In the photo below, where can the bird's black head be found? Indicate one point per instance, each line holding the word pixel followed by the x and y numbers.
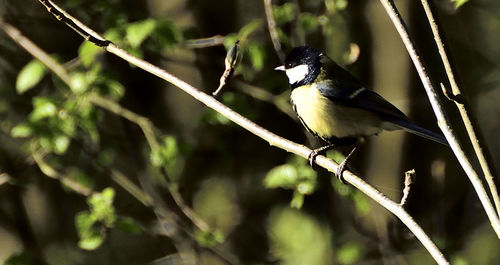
pixel 302 66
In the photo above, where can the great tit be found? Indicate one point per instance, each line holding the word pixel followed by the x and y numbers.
pixel 334 106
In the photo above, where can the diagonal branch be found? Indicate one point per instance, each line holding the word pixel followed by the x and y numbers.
pixel 442 121
pixel 271 138
pixel 462 105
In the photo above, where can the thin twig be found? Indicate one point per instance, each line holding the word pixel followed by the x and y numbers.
pixel 409 180
pixel 277 141
pixel 216 40
pixel 131 188
pixel 145 124
pixel 273 32
pixel 442 121
pixel 462 105
pixel 49 171
pixel 38 53
pixel 261 94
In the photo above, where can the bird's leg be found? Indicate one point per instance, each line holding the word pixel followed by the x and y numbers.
pixel 312 156
pixel 341 167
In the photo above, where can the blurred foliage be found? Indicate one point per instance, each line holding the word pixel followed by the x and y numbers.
pixel 296 238
pixel 296 175
pixel 194 188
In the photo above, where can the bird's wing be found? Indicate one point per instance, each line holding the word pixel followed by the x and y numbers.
pixel 343 88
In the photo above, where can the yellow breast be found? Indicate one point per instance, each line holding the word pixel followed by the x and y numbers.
pixel 328 119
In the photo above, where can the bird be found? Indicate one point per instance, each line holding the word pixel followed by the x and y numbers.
pixel 336 107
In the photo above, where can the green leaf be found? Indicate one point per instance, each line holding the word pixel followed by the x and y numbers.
pixel 284 176
pixel 248 29
pixel 257 56
pixel 113 35
pixel 166 33
pixel 30 75
pixel 115 89
pixel 88 53
pixel 309 22
pixel 297 201
pixel 91 241
pixel 349 253
pixel 284 13
pixel 211 116
pixel 61 143
pixel 138 31
pixel 459 3
pixel 43 107
pixel 128 224
pixel 306 187
pixel 230 40
pixel 79 83
pixel 84 222
pixel 90 237
pixel 21 130
pixel 102 206
pixel 209 239
pixel 78 176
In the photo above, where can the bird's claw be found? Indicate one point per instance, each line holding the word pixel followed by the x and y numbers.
pixel 312 157
pixel 340 171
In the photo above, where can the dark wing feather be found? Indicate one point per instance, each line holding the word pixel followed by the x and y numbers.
pixel 345 89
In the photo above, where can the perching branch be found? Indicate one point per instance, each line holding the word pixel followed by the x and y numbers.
pixel 271 138
pixel 442 121
pixel 462 104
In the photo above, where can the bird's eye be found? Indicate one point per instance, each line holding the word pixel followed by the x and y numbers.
pixel 289 65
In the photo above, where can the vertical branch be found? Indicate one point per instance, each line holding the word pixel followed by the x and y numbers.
pixel 442 121
pixel 462 104
pixel 273 32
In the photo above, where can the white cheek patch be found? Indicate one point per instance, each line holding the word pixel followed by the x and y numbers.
pixel 297 73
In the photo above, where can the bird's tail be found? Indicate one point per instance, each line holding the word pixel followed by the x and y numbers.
pixel 422 132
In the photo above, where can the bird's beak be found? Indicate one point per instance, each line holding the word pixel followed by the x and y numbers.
pixel 280 68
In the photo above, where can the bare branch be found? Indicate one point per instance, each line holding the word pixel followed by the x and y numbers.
pixel 442 121
pixel 216 40
pixel 273 32
pixel 131 188
pixel 409 180
pixel 282 143
pixel 261 94
pixel 462 105
pixel 49 171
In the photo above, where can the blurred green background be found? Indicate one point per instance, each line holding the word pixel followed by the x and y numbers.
pixel 80 184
